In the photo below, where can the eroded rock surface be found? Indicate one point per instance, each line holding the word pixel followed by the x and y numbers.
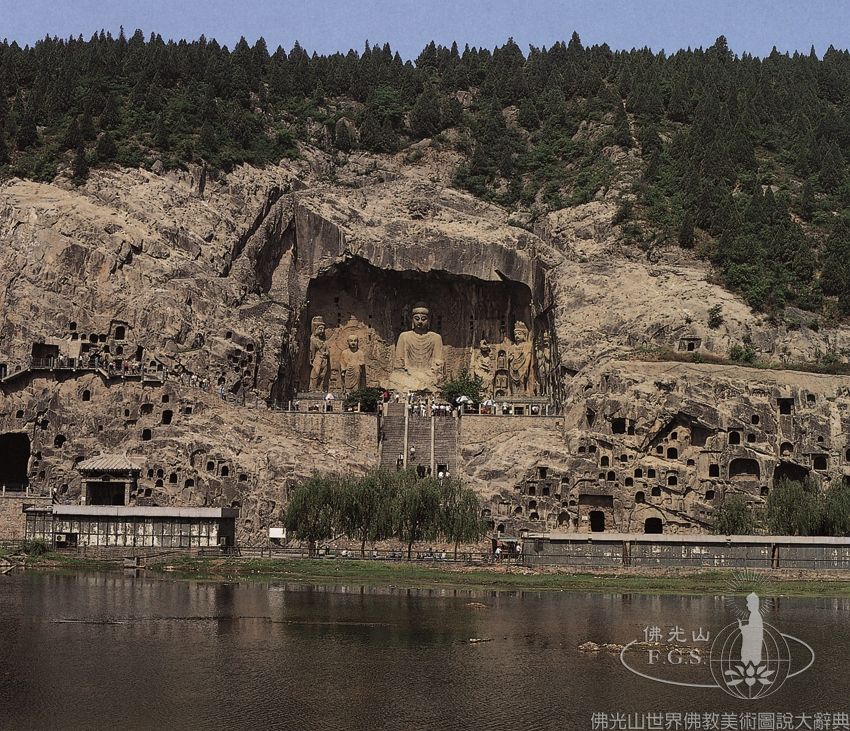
pixel 211 290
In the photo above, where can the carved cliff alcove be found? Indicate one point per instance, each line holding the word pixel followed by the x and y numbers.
pixel 356 298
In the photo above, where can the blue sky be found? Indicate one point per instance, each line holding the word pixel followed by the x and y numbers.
pixel 754 26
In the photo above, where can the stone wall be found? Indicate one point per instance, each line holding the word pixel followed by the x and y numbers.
pixel 480 427
pixel 764 552
pixel 356 431
pixel 12 505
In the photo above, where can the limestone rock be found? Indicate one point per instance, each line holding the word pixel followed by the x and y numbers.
pixel 214 279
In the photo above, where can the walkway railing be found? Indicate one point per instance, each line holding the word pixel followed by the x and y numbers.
pixel 136 370
pixel 463 557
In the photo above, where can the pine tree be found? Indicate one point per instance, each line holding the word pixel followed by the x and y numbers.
pixel 87 130
pixel 4 149
pixel 807 201
pixel 342 136
pixel 451 112
pixel 835 272
pixel 527 115
pixel 425 115
pixel 81 165
pixel 686 232
pixel 389 138
pixel 4 110
pixel 106 150
pixel 154 98
pixel 208 139
pixel 26 134
pixel 110 116
pixel 160 133
pixel 72 136
pixel 622 134
pixel 831 173
pixel 428 58
pixel 370 132
pixel 677 108
pixel 650 140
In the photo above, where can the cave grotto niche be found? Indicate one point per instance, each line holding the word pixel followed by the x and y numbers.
pixel 744 468
pixel 597 521
pixel 789 471
pixel 356 298
pixel 653 526
pixel 15 451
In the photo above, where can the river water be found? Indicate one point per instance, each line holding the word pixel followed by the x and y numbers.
pixel 91 651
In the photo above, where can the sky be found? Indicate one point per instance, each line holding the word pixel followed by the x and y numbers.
pixel 326 26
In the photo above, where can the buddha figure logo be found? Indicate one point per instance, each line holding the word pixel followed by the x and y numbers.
pixel 751 659
pixel 748 659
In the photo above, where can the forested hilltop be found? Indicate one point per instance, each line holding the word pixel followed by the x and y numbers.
pixel 740 158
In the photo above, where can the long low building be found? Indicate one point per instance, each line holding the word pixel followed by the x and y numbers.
pixel 67 526
pixel 698 551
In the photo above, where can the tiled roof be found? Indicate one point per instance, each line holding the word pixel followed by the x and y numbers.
pixel 107 463
pixel 127 511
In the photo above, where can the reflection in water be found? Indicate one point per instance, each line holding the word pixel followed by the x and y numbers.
pixel 105 650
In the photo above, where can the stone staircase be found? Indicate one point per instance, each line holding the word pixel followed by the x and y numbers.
pixel 419 436
pixel 392 438
pixel 446 432
pixel 419 428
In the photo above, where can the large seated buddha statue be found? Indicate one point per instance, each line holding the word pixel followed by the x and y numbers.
pixel 418 355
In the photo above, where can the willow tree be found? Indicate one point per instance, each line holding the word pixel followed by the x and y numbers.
pixel 460 514
pixel 416 510
pixel 794 508
pixel 313 512
pixel 734 517
pixel 836 509
pixel 366 506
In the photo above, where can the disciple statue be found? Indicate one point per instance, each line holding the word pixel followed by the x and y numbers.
pixel 418 355
pixel 352 366
pixel 482 365
pixel 319 354
pixel 519 360
pixel 544 364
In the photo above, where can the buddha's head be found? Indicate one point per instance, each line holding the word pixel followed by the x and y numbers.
pixel 520 332
pixel 421 318
pixel 353 343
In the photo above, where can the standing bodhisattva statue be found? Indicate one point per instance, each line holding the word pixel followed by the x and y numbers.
pixel 519 360
pixel 418 354
pixel 319 354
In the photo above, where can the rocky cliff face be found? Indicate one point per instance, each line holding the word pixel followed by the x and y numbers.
pixel 214 282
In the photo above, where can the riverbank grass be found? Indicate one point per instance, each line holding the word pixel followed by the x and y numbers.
pixel 411 575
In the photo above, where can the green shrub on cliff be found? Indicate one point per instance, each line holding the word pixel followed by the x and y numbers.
pixel 466 384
